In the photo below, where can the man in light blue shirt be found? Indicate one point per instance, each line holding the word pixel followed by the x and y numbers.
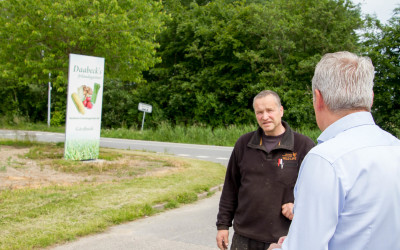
pixel 347 194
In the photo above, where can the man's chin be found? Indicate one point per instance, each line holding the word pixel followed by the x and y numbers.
pixel 267 129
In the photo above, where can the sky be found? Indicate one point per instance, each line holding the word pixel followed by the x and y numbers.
pixel 382 8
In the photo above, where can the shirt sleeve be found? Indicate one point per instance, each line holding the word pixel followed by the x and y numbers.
pixel 318 200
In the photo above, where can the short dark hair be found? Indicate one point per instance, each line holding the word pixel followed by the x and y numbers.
pixel 265 93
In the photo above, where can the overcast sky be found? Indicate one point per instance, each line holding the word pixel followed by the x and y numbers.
pixel 382 8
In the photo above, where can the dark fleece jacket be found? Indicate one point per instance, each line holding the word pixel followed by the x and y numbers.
pixel 258 183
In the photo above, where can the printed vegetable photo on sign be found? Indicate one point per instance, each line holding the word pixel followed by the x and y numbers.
pixel 85 97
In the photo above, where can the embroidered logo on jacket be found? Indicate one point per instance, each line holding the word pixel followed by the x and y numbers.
pixel 289 156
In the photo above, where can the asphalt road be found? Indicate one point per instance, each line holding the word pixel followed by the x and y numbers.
pixel 188 227
pixel 205 152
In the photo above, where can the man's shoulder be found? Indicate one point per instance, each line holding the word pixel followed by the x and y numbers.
pixel 246 139
pixel 356 139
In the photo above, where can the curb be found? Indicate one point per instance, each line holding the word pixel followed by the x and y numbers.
pixel 160 207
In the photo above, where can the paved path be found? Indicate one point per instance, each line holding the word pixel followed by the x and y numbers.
pixel 190 227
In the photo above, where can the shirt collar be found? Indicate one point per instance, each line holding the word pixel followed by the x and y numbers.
pixel 287 141
pixel 345 123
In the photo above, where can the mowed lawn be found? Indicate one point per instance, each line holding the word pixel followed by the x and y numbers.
pixel 122 186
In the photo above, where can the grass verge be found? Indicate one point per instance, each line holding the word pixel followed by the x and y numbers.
pixel 221 136
pixel 205 135
pixel 41 217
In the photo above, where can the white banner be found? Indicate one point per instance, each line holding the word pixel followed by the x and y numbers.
pixel 84 102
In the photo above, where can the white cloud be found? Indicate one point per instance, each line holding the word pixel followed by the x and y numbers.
pixel 382 8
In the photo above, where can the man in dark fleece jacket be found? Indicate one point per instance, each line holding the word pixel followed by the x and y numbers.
pixel 262 171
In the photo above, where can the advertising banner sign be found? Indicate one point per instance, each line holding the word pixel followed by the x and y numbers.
pixel 84 103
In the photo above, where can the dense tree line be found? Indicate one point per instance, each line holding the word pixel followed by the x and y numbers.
pixel 36 38
pixel 197 62
pixel 382 44
pixel 216 57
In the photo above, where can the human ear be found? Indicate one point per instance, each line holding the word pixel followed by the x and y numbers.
pixel 318 100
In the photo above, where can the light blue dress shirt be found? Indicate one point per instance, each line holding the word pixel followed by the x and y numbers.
pixel 347 194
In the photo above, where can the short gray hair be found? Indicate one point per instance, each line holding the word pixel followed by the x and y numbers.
pixel 265 93
pixel 345 81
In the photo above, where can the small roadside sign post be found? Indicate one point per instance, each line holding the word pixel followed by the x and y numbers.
pixel 146 108
pixel 49 102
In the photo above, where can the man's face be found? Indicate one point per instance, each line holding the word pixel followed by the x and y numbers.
pixel 269 115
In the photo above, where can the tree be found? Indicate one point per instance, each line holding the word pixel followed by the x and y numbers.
pixel 382 43
pixel 36 38
pixel 217 56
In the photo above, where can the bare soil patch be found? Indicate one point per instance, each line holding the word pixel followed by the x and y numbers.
pixel 18 170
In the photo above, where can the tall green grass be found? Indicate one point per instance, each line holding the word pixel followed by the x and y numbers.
pixel 196 134
pixel 181 134
pixel 221 136
pixel 21 124
pixel 313 133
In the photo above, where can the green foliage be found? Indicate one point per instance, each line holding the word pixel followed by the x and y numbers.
pixel 44 151
pixel 206 135
pixel 22 102
pixel 217 57
pixel 186 197
pixel 19 143
pixel 383 47
pixel 119 105
pixel 212 57
pixel 17 124
pixel 36 38
pixel 58 118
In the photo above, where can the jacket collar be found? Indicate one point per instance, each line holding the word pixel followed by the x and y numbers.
pixel 287 141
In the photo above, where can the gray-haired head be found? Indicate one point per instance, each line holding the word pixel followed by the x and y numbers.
pixel 265 93
pixel 345 81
